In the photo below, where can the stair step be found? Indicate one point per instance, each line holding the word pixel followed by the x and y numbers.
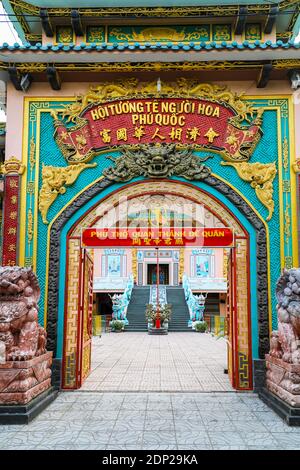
pixel 139 299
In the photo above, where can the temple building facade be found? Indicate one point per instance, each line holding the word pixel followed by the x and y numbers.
pixel 152 145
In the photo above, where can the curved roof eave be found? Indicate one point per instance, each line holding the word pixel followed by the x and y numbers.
pixel 148 53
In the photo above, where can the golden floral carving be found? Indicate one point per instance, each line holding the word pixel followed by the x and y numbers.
pixel 261 177
pixel 30 225
pixel 285 151
pixel 32 153
pixel 54 181
pixel 287 223
pixel 134 263
pixel 296 165
pixel 181 263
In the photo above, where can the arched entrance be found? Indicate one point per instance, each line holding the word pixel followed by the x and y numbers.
pixel 249 299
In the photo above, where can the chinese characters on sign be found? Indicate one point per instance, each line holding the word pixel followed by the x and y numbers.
pixel 161 120
pixel 130 237
pixel 10 220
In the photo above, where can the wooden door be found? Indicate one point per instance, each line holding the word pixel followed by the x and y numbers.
pixel 86 317
pixel 230 318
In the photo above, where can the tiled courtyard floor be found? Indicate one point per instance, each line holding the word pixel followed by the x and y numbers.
pixel 175 362
pixel 169 421
pixel 151 392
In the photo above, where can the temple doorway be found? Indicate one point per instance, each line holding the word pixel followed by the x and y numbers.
pixel 115 264
pixel 163 274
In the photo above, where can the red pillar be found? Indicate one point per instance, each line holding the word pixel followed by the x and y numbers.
pixel 157 322
pixel 12 169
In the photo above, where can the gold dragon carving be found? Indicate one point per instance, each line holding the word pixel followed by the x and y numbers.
pixel 261 177
pixel 54 181
pixel 159 34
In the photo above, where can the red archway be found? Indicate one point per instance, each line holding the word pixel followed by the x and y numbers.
pixel 77 344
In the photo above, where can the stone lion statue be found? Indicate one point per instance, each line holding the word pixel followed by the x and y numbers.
pixel 20 333
pixel 285 342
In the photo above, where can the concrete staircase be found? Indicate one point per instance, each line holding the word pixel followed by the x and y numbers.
pixel 136 309
pixel 180 311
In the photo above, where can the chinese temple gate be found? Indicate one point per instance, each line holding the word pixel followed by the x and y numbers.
pixel 150 116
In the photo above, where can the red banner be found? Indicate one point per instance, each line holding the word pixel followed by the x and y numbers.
pixel 163 120
pixel 158 237
pixel 10 220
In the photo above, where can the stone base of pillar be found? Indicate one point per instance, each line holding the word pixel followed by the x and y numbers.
pixel 288 413
pixel 283 380
pixel 282 391
pixel 24 386
pixel 23 414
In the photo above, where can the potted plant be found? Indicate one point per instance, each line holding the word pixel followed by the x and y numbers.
pixel 117 326
pixel 200 326
pixel 164 313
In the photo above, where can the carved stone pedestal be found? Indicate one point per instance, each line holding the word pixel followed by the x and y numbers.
pixel 157 331
pixel 25 389
pixel 282 392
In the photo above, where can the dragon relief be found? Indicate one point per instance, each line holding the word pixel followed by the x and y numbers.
pixel 156 161
pixel 54 181
pixel 20 333
pixel 261 177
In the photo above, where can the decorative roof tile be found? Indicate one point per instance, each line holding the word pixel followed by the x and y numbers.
pixel 207 46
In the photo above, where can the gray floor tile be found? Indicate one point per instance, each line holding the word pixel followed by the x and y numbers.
pixel 154 419
pixel 10 428
pixel 154 438
pixel 267 417
pixel 220 426
pixel 189 425
pixel 226 439
pixel 258 438
pixel 244 416
pixel 281 427
pixel 233 447
pixel 126 437
pixel 194 438
pixel 6 436
pixel 22 439
pixel 124 447
pixel 211 417
pixel 250 426
pixel 160 447
pixel 263 447
pixel 186 415
pixel 287 439
pixel 103 415
pixel 87 438
pixel 159 425
pixel 129 425
pixel 195 447
pixel 159 414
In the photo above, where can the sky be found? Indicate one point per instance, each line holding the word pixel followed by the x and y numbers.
pixel 8 34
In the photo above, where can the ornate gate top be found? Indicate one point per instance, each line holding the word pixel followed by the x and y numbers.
pixel 129 112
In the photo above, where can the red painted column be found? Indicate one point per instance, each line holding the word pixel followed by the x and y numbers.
pixel 157 322
pixel 12 169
